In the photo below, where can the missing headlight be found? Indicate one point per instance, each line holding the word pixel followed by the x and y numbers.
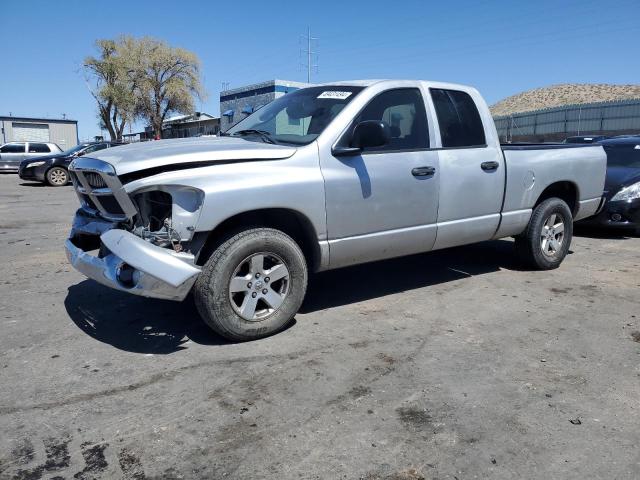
pixel 154 222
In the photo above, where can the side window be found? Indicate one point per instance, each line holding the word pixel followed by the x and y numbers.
pixel 39 148
pixel 95 148
pixel 403 110
pixel 458 117
pixel 13 148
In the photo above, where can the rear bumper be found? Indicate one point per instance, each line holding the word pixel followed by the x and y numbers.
pixel 621 214
pixel 129 263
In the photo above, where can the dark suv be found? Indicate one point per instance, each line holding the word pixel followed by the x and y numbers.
pixel 53 169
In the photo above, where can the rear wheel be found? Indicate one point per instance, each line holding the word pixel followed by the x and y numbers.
pixel 57 177
pixel 546 241
pixel 252 285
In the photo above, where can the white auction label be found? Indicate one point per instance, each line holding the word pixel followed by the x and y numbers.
pixel 334 94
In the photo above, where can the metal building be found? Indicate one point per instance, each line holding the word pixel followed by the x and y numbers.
pixel 555 124
pixel 182 126
pixel 238 103
pixel 60 131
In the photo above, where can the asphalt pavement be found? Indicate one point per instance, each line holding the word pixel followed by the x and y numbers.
pixel 452 365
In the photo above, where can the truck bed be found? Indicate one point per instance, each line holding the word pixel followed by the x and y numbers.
pixel 536 166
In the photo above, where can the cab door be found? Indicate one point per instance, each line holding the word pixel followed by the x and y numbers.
pixel 383 201
pixel 472 171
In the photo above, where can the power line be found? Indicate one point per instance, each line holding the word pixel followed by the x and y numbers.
pixel 309 53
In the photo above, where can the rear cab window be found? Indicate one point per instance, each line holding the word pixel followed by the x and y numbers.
pixel 459 119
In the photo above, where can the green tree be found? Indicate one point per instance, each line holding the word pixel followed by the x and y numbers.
pixel 167 80
pixel 111 81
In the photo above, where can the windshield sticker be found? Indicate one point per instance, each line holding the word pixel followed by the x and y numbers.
pixel 335 94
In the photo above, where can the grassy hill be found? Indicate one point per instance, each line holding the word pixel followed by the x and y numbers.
pixel 563 94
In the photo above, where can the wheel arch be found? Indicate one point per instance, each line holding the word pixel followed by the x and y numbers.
pixel 290 221
pixel 565 190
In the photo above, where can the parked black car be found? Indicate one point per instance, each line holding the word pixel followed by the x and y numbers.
pixel 622 186
pixel 585 139
pixel 53 169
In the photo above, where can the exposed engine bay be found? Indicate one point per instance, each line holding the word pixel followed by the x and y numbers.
pixel 154 221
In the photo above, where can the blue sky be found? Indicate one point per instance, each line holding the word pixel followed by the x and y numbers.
pixel 500 47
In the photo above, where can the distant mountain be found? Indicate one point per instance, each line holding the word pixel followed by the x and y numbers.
pixel 563 94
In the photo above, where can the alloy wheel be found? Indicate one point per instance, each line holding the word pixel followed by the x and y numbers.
pixel 58 176
pixel 552 235
pixel 258 286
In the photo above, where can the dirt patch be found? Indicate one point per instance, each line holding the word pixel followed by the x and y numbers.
pixel 409 474
pixel 388 359
pixel 635 336
pixel 94 460
pixel 416 419
pixel 359 391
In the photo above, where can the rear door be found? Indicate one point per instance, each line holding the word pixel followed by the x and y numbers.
pixel 381 203
pixel 11 155
pixel 472 172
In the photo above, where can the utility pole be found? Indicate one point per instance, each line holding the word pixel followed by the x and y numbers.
pixel 309 53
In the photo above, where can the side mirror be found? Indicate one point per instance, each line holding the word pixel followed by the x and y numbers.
pixel 371 133
pixel 367 134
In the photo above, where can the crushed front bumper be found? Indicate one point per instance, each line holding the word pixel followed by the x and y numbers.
pixel 127 262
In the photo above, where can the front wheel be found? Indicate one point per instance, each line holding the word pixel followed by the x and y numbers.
pixel 546 241
pixel 252 285
pixel 57 177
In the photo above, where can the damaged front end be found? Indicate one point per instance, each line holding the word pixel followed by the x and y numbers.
pixel 139 242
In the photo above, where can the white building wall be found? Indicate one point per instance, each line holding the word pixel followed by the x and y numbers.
pixel 65 134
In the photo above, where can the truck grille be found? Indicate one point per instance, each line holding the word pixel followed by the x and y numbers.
pixel 95 180
pixel 99 189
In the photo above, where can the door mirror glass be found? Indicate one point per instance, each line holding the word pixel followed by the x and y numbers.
pixel 370 134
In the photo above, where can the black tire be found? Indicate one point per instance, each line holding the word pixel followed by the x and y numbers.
pixel 529 245
pixel 212 288
pixel 57 176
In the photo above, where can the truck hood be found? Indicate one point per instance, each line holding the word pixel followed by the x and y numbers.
pixel 147 155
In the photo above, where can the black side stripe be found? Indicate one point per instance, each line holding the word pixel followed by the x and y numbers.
pixel 149 172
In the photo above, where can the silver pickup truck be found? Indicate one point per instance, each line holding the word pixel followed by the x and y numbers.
pixel 321 178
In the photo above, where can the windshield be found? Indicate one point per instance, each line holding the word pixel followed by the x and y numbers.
pixel 297 117
pixel 75 149
pixel 627 156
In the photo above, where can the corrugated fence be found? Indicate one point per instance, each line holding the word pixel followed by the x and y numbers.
pixel 605 118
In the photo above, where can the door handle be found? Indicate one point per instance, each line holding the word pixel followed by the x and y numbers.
pixel 489 166
pixel 423 171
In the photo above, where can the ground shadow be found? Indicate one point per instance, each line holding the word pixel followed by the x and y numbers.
pixel 143 325
pixel 33 184
pixel 367 281
pixel 602 232
pixel 136 324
